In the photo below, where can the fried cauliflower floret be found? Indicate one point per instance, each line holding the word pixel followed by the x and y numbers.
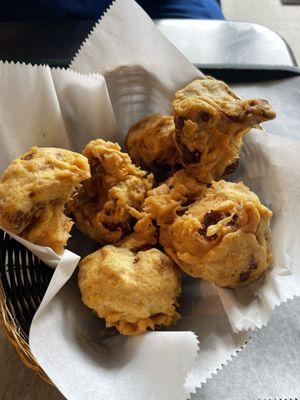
pixel 109 203
pixel 223 238
pixel 210 122
pixel 34 190
pixel 133 291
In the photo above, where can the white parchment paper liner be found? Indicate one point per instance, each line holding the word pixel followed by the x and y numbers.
pixel 270 166
pixel 141 67
pixel 47 107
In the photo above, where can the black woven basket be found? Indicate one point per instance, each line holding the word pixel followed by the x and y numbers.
pixel 23 282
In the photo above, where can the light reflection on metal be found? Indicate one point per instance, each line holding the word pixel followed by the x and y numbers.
pixel 226 42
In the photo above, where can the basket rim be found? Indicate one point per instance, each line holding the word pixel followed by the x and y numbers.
pixel 12 333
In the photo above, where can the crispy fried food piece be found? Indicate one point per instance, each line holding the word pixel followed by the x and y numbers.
pixel 109 203
pixel 34 190
pixel 51 228
pixel 150 144
pixel 210 122
pixel 222 238
pixel 143 237
pixel 133 291
pixel 172 198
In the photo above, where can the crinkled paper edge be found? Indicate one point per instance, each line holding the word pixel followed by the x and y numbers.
pixel 92 31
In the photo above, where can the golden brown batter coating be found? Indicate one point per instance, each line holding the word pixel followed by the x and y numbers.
pixel 210 123
pixel 150 144
pixel 34 190
pixel 133 291
pixel 110 202
pixel 222 238
pixel 144 235
pixel 173 197
pixel 51 228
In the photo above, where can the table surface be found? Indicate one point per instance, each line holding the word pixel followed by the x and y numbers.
pixel 263 369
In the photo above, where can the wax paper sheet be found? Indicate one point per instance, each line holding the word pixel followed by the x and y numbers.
pixel 270 166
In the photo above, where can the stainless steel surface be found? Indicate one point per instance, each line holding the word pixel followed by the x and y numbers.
pixel 225 42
